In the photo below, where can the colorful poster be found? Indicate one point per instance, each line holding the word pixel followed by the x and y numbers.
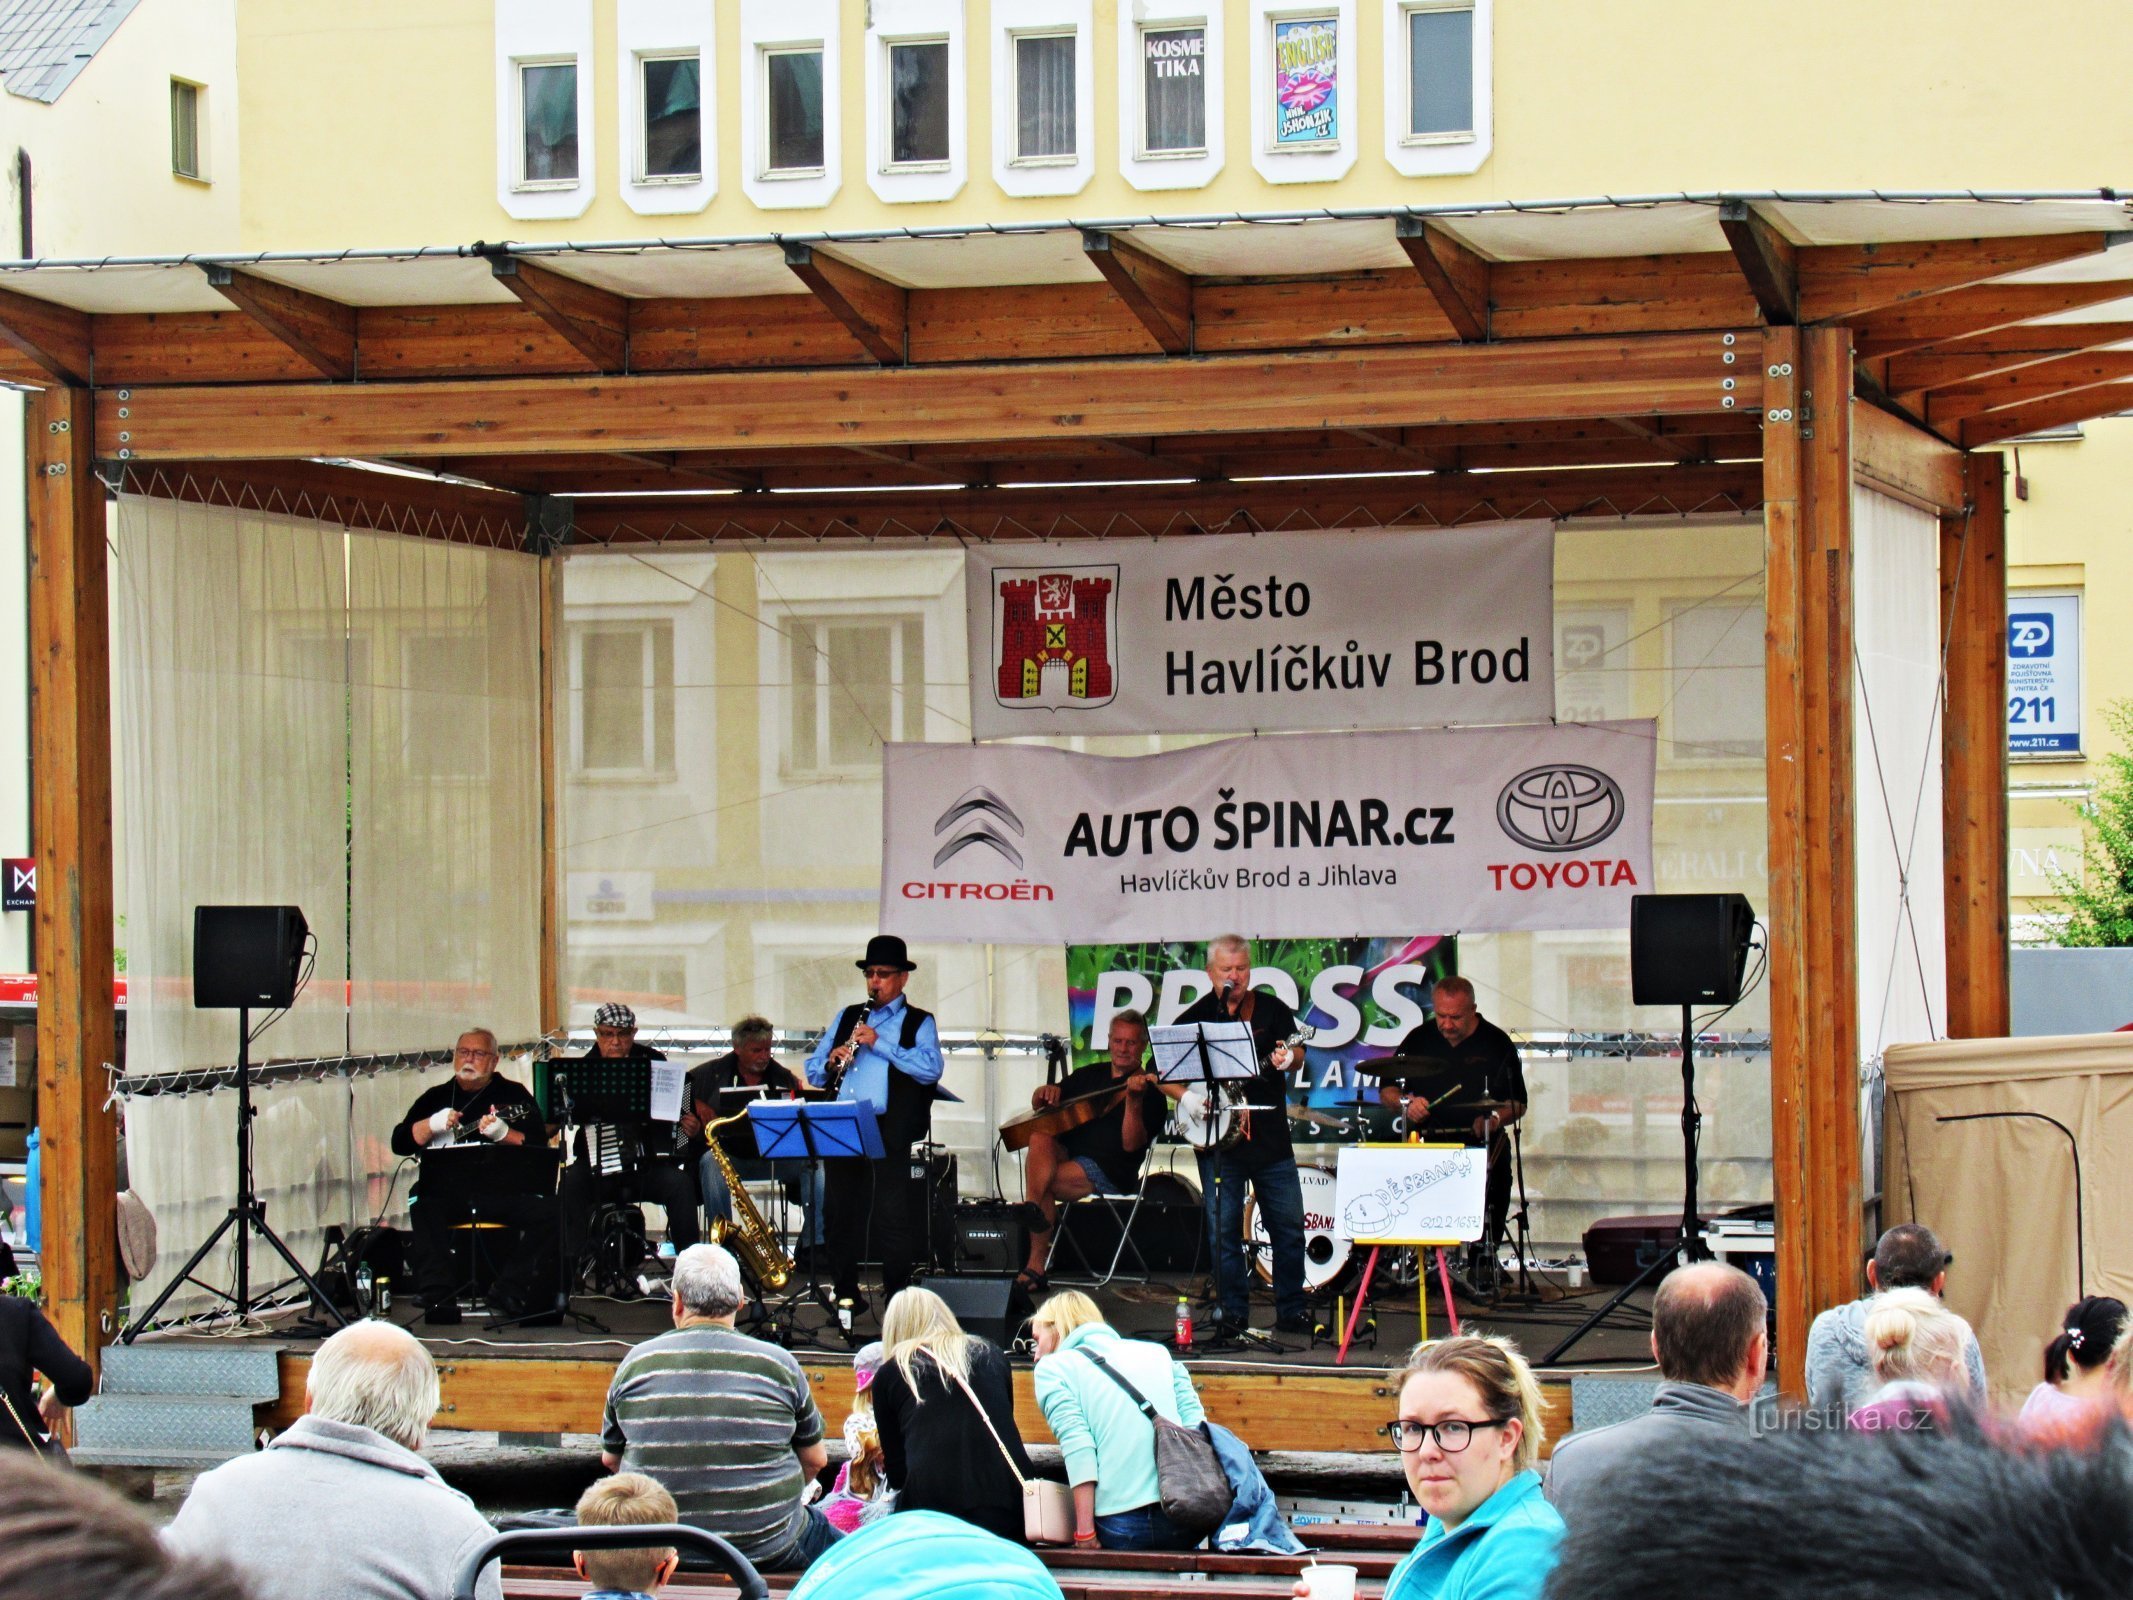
pixel 2043 676
pixel 1307 81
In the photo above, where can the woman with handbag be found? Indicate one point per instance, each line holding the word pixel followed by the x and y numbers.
pixel 1096 1389
pixel 29 1345
pixel 944 1406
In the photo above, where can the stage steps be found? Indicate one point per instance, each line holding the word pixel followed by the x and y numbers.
pixel 176 1405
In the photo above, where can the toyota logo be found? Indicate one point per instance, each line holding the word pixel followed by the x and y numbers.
pixel 978 817
pixel 1560 808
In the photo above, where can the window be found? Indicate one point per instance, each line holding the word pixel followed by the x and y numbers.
pixel 185 130
pixel 918 104
pixel 855 684
pixel 437 735
pixel 1044 97
pixel 1173 91
pixel 792 94
pixel 623 678
pixel 673 117
pixel 1306 106
pixel 646 980
pixel 1440 71
pixel 548 122
pixel 1717 687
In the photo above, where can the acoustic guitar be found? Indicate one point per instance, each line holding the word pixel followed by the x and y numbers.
pixel 1062 1118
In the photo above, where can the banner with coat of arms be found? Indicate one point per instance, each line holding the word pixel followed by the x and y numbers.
pixel 1240 633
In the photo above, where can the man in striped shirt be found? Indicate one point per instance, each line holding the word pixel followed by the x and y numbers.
pixel 724 1423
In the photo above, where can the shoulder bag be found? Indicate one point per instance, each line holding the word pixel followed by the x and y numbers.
pixel 1195 1491
pixel 1047 1506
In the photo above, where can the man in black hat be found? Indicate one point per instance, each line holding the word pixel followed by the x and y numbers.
pixel 649 1159
pixel 885 1054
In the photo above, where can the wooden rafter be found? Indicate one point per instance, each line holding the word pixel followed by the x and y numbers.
pixel 875 311
pixel 55 337
pixel 2026 384
pixel 2056 411
pixel 684 474
pixel 1671 445
pixel 1457 278
pixel 1158 294
pixel 1905 462
pixel 594 321
pixel 1964 313
pixel 1843 283
pixel 1768 261
pixel 1966 361
pixel 321 331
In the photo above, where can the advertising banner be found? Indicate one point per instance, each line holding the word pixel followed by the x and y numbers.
pixel 1477 829
pixel 1268 632
pixel 2043 675
pixel 1307 81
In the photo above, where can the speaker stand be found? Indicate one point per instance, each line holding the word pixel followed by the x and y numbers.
pixel 248 1216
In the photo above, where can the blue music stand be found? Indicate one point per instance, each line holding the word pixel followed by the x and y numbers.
pixel 815 1130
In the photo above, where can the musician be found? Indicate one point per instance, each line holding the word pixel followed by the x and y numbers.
pixel 460 1131
pixel 1479 1059
pixel 652 1168
pixel 887 1056
pixel 725 1088
pixel 1263 1159
pixel 1102 1156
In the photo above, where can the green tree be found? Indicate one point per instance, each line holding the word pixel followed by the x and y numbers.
pixel 2099 900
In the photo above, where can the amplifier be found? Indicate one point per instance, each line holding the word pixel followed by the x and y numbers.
pixel 989 1237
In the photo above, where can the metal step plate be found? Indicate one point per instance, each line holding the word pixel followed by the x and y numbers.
pixel 238 1371
pixel 133 1427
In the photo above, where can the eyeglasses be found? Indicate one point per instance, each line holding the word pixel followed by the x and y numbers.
pixel 885 972
pixel 475 1055
pixel 1454 1434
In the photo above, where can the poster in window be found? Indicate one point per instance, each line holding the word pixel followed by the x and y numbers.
pixel 2043 675
pixel 1306 81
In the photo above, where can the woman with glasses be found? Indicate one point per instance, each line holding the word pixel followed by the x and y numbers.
pixel 1468 1432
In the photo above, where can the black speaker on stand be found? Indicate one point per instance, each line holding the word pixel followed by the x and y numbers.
pixel 244 956
pixel 1686 950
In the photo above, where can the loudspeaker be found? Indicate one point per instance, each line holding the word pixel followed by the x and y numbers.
pixel 988 1237
pixel 246 956
pixel 1686 949
pixel 986 1307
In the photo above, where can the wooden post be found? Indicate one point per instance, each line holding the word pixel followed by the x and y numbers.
pixel 1973 591
pixel 70 736
pixel 553 1013
pixel 1814 1006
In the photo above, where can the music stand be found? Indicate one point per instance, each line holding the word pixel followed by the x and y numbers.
pixel 815 1131
pixel 1208 1053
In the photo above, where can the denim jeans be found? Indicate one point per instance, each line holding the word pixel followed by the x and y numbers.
pixel 718 1204
pixel 1223 1179
pixel 817 1534
pixel 1142 1528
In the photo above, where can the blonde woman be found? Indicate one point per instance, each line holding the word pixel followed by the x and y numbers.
pixel 1469 1432
pixel 1915 1348
pixel 1107 1440
pixel 944 1406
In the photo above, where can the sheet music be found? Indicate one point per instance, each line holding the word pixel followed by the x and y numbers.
pixel 667 1080
pixel 1231 1051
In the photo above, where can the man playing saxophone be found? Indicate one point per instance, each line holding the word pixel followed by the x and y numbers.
pixel 720 1092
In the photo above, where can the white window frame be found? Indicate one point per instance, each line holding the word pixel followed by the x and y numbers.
pixel 1015 41
pixel 892 23
pixel 889 166
pixel 767 28
pixel 538 33
pixel 907 712
pixel 201 172
pixel 1139 58
pixel 1014 20
pixel 1319 162
pixel 764 170
pixel 520 65
pixel 1169 169
pixel 644 627
pixel 665 30
pixel 1423 155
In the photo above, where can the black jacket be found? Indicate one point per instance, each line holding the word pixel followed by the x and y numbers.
pixel 29 1343
pixel 936 1448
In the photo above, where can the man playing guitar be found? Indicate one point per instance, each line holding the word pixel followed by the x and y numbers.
pixel 1102 1155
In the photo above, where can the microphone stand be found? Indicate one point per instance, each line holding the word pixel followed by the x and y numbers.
pixel 561 1308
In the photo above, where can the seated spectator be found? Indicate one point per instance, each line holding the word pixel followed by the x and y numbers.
pixel 29 1344
pixel 1916 1346
pixel 1107 1440
pixel 627 1500
pixel 1838 1376
pixel 1469 1431
pixel 1711 1340
pixel 944 1403
pixel 2084 1367
pixel 63 1537
pixel 342 1503
pixel 926 1556
pixel 861 1492
pixel 724 1423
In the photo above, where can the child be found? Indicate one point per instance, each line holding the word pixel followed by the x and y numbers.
pixel 862 1492
pixel 627 1500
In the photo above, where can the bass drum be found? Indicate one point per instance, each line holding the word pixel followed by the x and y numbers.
pixel 1329 1260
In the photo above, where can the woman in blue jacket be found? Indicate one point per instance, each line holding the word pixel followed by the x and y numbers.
pixel 1469 1432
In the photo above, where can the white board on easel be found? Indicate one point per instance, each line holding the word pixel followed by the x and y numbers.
pixel 1410 1194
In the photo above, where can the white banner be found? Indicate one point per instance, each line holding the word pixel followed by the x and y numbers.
pixel 1242 633
pixel 1476 829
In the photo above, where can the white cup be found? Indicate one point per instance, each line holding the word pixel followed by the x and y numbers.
pixel 1329 1583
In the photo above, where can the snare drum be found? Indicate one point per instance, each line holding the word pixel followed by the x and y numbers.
pixel 1329 1260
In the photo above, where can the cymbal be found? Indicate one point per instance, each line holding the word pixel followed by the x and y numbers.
pixel 1471 1105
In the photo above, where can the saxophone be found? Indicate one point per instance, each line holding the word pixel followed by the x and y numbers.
pixel 747 1235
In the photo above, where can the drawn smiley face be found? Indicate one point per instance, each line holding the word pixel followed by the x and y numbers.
pixel 1367 1216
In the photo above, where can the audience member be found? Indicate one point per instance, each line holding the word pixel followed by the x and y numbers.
pixel 926 1555
pixel 725 1423
pixel 342 1503
pixel 1108 1441
pixel 1468 1431
pixel 1908 1256
pixel 63 1537
pixel 944 1403
pixel 1711 1340
pixel 626 1500
pixel 1915 1345
pixel 2083 1369
pixel 29 1344
pixel 861 1492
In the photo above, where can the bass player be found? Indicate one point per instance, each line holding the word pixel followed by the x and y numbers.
pixel 1102 1155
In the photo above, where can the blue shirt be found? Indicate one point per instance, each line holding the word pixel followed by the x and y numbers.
pixel 1504 1551
pixel 867 1079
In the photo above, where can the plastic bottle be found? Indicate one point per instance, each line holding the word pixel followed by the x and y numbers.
pixel 1184 1327
pixel 364 1288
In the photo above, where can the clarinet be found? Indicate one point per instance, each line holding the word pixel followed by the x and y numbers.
pixel 840 1059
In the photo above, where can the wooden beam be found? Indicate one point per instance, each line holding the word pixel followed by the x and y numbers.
pixel 1649 375
pixel 1905 462
pixel 1158 294
pixel 1972 360
pixel 554 1014
pixel 70 746
pixel 54 337
pixel 1973 608
pixel 1457 278
pixel 321 331
pixel 1768 261
pixel 2056 411
pixel 1847 282
pixel 1963 313
pixel 2039 381
pixel 873 310
pixel 594 321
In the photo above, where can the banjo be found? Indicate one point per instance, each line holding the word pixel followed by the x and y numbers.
pixel 1214 1116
